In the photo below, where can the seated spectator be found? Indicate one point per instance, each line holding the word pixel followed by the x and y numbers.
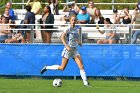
pixel 97 18
pixel 4 29
pixel 83 17
pixel 54 6
pixel 91 8
pixel 7 15
pixel 11 12
pixel 16 36
pixel 126 18
pixel 47 18
pixel 110 34
pixel 36 6
pixel 72 8
pixel 29 19
pixel 136 20
pixel 115 17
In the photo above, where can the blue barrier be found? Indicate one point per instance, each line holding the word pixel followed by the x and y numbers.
pixel 99 60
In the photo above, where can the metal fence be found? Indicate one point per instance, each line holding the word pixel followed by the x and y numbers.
pixel 90 33
pixel 113 4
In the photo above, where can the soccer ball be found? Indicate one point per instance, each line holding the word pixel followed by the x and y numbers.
pixel 57 82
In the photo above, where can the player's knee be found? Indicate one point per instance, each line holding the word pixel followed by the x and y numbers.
pixel 81 66
pixel 61 68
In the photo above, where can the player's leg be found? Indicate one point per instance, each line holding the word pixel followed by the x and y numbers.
pixel 56 67
pixel 79 62
pixel 64 64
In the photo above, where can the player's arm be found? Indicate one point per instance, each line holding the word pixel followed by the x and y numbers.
pixel 64 41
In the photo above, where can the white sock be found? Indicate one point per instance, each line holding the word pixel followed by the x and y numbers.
pixel 53 67
pixel 83 76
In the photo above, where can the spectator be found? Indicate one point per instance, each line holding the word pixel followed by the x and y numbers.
pixel 54 6
pixel 7 15
pixel 83 17
pixel 16 35
pixel 136 20
pixel 72 8
pixel 91 8
pixel 126 18
pixel 110 34
pixel 29 19
pixel 115 17
pixel 11 12
pixel 4 29
pixel 97 18
pixel 47 18
pixel 36 6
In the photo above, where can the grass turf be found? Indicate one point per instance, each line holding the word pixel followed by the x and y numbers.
pixel 69 86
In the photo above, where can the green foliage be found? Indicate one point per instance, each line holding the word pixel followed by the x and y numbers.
pixel 2 5
pixel 108 1
pixel 3 2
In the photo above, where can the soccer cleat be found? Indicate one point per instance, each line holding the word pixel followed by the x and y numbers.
pixel 43 70
pixel 87 85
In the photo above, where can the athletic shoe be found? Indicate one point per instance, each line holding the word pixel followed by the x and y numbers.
pixel 43 70
pixel 87 85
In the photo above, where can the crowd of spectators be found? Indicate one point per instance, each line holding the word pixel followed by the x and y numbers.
pixel 90 14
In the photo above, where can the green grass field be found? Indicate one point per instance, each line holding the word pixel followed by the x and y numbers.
pixel 69 86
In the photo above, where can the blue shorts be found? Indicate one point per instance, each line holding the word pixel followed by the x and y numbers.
pixel 3 38
pixel 108 37
pixel 72 53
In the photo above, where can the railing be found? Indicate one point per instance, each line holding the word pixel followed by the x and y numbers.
pixel 86 3
pixel 112 3
pixel 88 29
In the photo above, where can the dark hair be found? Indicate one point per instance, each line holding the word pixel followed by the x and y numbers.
pixel 48 7
pixel 108 20
pixel 137 6
pixel 3 16
pixel 12 22
pixel 28 8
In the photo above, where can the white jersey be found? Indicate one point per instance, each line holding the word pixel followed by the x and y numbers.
pixel 71 36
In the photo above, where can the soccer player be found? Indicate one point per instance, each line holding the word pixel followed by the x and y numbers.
pixel 71 34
